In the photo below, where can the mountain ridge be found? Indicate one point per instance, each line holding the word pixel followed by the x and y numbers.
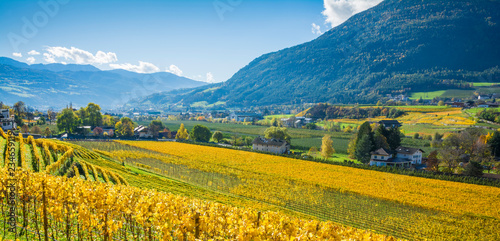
pixel 56 85
pixel 398 46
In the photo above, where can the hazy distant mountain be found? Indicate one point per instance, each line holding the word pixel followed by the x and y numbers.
pixel 398 46
pixel 64 67
pixel 56 85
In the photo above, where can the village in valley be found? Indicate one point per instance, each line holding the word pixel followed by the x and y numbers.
pixel 392 142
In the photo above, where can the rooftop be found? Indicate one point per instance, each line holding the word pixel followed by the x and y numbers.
pixel 270 142
pixel 407 150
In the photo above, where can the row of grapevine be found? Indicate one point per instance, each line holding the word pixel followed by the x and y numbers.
pixel 53 157
pixel 71 208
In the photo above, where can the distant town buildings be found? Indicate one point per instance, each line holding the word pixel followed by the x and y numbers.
pixel 244 116
pixel 296 122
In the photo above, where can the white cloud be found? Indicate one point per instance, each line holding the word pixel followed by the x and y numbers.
pixel 210 78
pixel 174 70
pixel 143 67
pixel 316 29
pixel 19 55
pixel 30 60
pixel 49 58
pixel 338 11
pixel 33 52
pixel 79 56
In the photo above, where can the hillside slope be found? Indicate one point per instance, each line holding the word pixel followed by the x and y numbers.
pixel 398 46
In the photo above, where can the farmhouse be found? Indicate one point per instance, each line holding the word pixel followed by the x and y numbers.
pixel 276 146
pixel 6 121
pixel 142 132
pixel 390 123
pixel 402 157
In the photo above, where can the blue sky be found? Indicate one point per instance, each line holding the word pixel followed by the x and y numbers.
pixel 207 40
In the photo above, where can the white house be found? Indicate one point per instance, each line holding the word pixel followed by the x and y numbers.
pixel 381 157
pixel 402 157
pixel 276 146
pixel 413 154
pixel 6 121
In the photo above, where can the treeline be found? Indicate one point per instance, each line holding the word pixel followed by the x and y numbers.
pixel 326 111
pixel 490 115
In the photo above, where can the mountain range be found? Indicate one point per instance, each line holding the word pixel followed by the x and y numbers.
pixel 396 47
pixel 56 85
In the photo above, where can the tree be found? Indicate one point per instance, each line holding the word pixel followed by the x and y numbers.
pixel 155 127
pixel 108 120
pixel 49 115
pixel 363 149
pixel 432 162
pixel 380 141
pixel 277 133
pixel 94 115
pixel 379 103
pixel 473 169
pixel 351 148
pixel 124 127
pixel 494 143
pixel 217 136
pixel 450 157
pixel 327 147
pixel 311 126
pixel 19 108
pixel 416 135
pixel 201 133
pixel 248 140
pixel 441 103
pixel 98 131
pixel 68 121
pixel 36 130
pixel 182 133
pixel 25 129
pixel 274 122
pixel 394 138
pixel 312 151
pixel 47 132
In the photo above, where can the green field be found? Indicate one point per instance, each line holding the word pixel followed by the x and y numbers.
pixel 277 116
pixel 482 84
pixel 301 138
pixel 442 93
pixel 427 95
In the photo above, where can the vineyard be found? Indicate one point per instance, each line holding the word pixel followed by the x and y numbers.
pixel 83 201
pixel 56 158
pixel 98 211
pixel 401 206
pixel 116 190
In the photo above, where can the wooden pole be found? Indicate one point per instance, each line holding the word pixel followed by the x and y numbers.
pixel 45 220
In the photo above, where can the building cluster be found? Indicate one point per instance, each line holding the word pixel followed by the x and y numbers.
pixel 296 121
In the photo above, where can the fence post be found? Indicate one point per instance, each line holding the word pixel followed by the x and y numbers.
pixel 106 234
pixel 197 225
pixel 258 219
pixel 44 204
